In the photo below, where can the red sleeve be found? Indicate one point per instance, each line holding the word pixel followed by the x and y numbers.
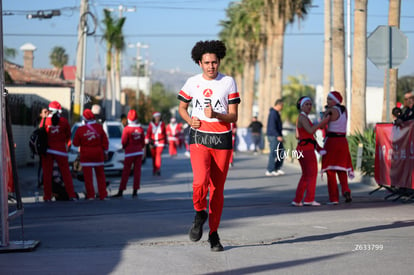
pixel 76 139
pixel 124 138
pixel 105 141
pixel 149 133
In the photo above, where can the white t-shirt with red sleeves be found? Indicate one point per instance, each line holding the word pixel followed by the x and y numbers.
pixel 219 93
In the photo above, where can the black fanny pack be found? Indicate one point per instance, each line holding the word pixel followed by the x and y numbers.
pixel 332 134
pixel 303 142
pixel 212 140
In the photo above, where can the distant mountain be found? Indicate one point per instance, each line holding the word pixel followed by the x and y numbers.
pixel 172 80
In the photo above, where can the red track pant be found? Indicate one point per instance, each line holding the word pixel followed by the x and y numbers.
pixel 137 161
pixel 210 167
pixel 307 181
pixel 172 147
pixel 156 158
pixel 333 186
pixel 47 165
pixel 100 178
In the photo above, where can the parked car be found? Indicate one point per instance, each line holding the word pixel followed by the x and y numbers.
pixel 113 130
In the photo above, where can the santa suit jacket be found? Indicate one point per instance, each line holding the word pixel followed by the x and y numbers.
pixel 58 137
pixel 173 131
pixel 156 134
pixel 133 140
pixel 93 143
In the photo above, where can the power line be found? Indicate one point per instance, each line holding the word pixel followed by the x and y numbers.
pixel 159 34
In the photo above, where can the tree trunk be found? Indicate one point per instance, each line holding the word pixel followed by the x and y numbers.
pixel 277 80
pixel 338 48
pixel 248 87
pixel 261 85
pixel 393 20
pixel 327 61
pixel 359 68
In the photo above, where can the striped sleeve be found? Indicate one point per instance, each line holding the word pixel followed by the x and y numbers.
pixel 184 97
pixel 234 98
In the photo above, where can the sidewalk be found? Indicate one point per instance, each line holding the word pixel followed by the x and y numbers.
pixel 260 231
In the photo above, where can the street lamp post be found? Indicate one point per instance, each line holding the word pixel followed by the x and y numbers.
pixel 139 46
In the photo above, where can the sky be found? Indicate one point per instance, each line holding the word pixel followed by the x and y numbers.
pixel 170 28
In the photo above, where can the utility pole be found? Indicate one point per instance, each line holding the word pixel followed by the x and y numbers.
pixel 80 63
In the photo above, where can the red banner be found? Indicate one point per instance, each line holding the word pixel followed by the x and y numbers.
pixel 394 155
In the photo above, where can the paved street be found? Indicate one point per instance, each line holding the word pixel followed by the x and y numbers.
pixel 261 232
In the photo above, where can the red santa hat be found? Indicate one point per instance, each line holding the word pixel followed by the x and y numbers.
pixel 88 115
pixel 335 96
pixel 132 116
pixel 155 114
pixel 55 107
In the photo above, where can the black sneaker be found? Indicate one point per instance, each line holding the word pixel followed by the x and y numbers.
pixel 135 193
pixel 118 195
pixel 196 231
pixel 347 196
pixel 214 241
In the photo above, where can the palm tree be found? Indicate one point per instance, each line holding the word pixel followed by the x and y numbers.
pixel 58 57
pixel 280 13
pixel 359 67
pixel 338 47
pixel 394 9
pixel 242 34
pixel 119 45
pixel 114 39
pixel 9 52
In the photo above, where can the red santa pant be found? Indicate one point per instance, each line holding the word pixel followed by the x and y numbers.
pixel 307 181
pixel 210 167
pixel 156 153
pixel 137 161
pixel 333 185
pixel 172 147
pixel 100 178
pixel 47 166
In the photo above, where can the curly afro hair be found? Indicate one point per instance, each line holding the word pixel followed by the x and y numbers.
pixel 210 46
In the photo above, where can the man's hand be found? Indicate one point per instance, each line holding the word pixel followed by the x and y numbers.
pixel 195 123
pixel 208 111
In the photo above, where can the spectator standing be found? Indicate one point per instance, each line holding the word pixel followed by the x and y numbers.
pixel 275 138
pixel 337 160
pixel 39 123
pixel 58 137
pixel 306 145
pixel 133 142
pixel 256 132
pixel 215 105
pixel 408 110
pixel 156 137
pixel 93 143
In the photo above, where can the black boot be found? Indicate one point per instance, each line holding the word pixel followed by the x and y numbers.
pixel 118 195
pixel 214 241
pixel 348 197
pixel 135 193
pixel 196 231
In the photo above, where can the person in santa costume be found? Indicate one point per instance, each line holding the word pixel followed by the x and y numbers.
pixel 173 135
pixel 156 137
pixel 133 142
pixel 93 143
pixel 337 160
pixel 58 138
pixel 307 144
